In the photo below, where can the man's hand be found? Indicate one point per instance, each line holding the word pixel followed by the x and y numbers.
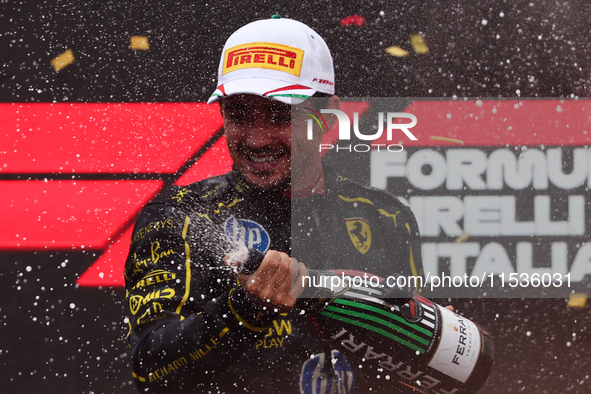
pixel 276 283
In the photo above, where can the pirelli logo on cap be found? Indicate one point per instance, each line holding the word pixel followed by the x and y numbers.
pixel 264 55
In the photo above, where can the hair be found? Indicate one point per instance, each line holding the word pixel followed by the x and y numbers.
pixel 321 99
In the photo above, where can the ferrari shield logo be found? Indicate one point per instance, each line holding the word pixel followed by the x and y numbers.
pixel 360 233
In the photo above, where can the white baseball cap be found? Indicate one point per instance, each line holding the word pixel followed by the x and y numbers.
pixel 278 58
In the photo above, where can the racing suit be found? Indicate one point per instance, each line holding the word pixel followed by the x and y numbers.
pixel 194 329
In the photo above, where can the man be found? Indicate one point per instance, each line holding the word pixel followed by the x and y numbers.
pixel 198 326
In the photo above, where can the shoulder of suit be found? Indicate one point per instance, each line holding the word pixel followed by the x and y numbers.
pixel 204 191
pixel 351 190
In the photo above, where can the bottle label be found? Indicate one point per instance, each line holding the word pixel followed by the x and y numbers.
pixel 459 346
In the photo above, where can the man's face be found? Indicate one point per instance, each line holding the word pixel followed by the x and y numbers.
pixel 268 142
pixel 258 132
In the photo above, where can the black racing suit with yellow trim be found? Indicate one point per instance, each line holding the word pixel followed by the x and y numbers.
pixel 194 329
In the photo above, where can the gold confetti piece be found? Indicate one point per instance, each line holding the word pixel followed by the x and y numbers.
pixel 462 238
pixel 577 300
pixel 62 60
pixel 139 43
pixel 396 51
pixel 418 44
pixel 437 138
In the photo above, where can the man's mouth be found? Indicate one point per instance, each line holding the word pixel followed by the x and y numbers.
pixel 262 157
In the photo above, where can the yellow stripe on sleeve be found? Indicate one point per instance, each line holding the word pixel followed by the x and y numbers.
pixel 413 267
pixel 187 266
pixel 241 320
pixel 357 199
pixel 136 376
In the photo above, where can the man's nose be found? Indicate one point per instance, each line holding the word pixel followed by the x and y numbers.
pixel 260 135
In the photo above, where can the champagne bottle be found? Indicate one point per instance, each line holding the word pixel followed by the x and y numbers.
pixel 395 331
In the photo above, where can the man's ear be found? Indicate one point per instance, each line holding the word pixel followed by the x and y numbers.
pixel 334 102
